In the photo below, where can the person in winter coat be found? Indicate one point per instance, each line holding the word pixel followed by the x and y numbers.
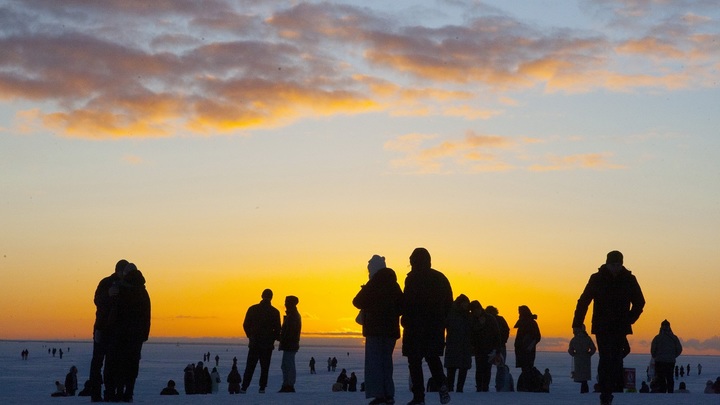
pixel 581 349
pixel 486 345
pixel 664 349
pixel 526 339
pixel 262 327
pixel 458 350
pixel 234 380
pixel 169 389
pixel 503 327
pixel 618 302
pixel 101 338
pixel 215 381
pixel 129 328
pixel 71 384
pixel 380 304
pixel 427 299
pixel 59 390
pixel 189 379
pixel 290 342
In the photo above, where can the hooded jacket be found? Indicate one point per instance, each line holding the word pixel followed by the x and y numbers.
pixel 665 347
pixel 290 330
pixel 618 302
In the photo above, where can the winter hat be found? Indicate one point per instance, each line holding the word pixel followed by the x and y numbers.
pixel 376 263
pixel 291 300
pixel 614 257
pixel 665 324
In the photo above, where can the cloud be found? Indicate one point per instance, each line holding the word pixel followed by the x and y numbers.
pixel 596 161
pixel 148 69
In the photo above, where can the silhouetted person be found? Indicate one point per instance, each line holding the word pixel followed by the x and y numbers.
pixel 128 328
pixel 262 327
pixel 380 303
pixel 290 342
pixel 617 303
pixel 682 389
pixel 343 379
pixel 664 349
pixel 217 360
pixel 427 299
pixel 582 348
pixel 486 345
pixel 312 365
pixel 352 382
pixel 458 349
pixel 503 327
pixel 526 339
pixel 169 389
pixel 334 363
pixel 104 300
pixel 234 380
pixel 71 384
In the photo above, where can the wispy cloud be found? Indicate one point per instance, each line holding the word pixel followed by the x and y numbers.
pixel 118 69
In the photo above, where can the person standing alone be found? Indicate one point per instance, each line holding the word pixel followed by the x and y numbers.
pixel 618 302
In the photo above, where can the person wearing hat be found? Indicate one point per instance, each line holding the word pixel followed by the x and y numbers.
pixel 262 327
pixel 290 342
pixel 380 305
pixel 664 349
pixel 618 302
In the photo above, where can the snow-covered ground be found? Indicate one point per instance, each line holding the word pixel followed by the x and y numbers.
pixel 32 381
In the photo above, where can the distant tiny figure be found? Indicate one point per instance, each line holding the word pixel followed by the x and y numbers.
pixel 547 380
pixel 682 388
pixel 60 353
pixel 618 302
pixel 329 364
pixel 334 363
pixel 343 379
pixel 664 349
pixel 214 381
pixel 60 390
pixel 352 382
pixel 262 327
pixel 699 368
pixel 234 380
pixel 582 348
pixel 644 388
pixel 71 384
pixel 217 360
pixel 312 365
pixel 682 371
pixel 169 389
pixel 709 389
pixel 688 370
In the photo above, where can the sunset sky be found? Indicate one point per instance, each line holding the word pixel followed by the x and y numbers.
pixel 225 147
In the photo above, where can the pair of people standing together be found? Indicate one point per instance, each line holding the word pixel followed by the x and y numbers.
pixel 422 308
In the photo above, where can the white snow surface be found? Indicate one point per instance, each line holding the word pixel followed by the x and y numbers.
pixel 32 381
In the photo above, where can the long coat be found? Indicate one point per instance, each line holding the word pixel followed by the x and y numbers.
pixel 582 348
pixel 526 339
pixel 618 302
pixel 427 299
pixel 458 353
pixel 380 301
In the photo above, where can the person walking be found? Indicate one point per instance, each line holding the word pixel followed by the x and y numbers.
pixel 582 348
pixel 665 349
pixel 380 305
pixel 262 327
pixel 312 365
pixel 427 299
pixel 618 302
pixel 290 342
